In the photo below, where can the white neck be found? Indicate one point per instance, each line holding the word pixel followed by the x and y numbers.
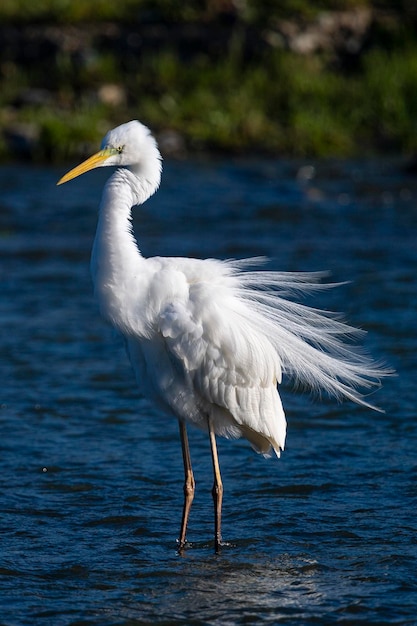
pixel 116 263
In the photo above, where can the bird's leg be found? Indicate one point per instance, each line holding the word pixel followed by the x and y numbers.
pixel 217 490
pixel 189 484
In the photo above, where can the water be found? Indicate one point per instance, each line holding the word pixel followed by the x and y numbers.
pixel 91 478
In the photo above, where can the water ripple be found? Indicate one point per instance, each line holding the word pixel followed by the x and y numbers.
pixel 91 489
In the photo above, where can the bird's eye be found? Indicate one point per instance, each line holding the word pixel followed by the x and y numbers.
pixel 120 149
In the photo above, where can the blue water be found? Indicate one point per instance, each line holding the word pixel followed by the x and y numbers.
pixel 91 478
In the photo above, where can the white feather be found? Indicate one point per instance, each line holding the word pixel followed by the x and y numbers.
pixel 213 338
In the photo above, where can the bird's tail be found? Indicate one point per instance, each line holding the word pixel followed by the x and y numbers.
pixel 315 347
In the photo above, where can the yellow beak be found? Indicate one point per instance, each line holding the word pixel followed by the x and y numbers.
pixel 94 161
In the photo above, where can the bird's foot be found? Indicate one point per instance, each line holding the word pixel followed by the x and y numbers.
pixel 219 544
pixel 182 545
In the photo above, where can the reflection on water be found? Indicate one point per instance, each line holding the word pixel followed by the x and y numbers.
pixel 265 590
pixel 91 475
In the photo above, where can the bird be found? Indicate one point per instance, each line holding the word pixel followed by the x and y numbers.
pixel 210 340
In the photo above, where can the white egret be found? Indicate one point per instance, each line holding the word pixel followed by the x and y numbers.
pixel 209 340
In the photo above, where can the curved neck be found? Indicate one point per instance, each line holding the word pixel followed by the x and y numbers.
pixel 127 187
pixel 116 260
pixel 114 230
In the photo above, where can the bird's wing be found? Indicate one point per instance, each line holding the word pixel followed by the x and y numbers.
pixel 219 337
pixel 220 365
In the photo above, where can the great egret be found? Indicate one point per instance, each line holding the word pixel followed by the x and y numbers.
pixel 209 339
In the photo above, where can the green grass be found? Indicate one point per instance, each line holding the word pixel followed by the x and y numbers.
pixel 65 11
pixel 276 102
pixel 252 11
pixel 290 104
pixel 286 103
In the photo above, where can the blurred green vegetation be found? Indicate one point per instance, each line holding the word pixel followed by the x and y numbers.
pixel 253 11
pixel 266 98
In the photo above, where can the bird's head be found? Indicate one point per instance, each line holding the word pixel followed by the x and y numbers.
pixel 130 145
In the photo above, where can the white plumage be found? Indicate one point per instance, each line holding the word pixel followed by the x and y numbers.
pixel 209 340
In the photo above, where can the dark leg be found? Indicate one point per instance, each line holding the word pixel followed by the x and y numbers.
pixel 217 491
pixel 189 484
